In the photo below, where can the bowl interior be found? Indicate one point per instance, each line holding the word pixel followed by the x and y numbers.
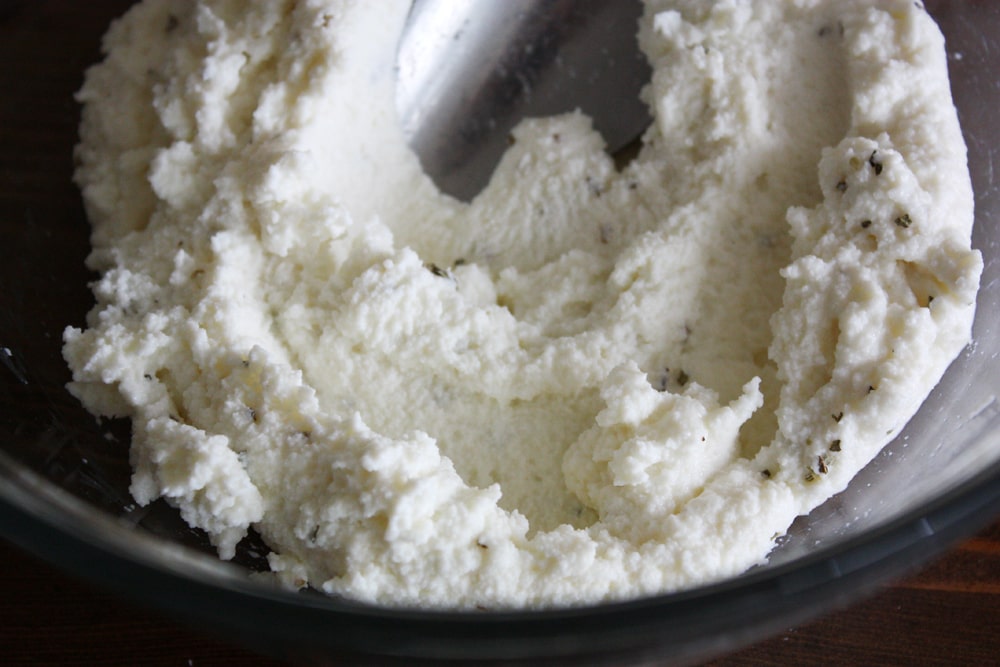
pixel 65 475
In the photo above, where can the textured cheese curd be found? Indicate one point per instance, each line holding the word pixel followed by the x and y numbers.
pixel 586 384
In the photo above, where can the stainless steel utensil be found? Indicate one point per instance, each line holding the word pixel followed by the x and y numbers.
pixel 469 70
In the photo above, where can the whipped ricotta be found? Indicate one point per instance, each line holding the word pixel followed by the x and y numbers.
pixel 588 383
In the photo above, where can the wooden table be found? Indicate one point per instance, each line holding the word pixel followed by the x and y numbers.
pixel 947 614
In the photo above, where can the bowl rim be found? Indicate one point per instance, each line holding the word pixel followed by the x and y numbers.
pixel 57 527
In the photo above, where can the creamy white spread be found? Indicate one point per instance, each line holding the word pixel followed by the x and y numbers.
pixel 586 384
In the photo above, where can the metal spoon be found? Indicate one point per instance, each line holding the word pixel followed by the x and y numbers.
pixel 469 70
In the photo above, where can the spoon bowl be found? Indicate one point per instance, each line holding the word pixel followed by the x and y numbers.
pixel 468 72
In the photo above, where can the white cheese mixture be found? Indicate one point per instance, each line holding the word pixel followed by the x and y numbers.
pixel 587 384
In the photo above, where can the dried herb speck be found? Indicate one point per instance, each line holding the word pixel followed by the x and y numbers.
pixel 877 166
pixel 903 221
pixel 593 186
pixel 835 446
pixel 436 270
pixel 606 233
pixel 837 417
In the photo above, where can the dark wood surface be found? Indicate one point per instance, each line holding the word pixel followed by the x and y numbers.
pixel 947 614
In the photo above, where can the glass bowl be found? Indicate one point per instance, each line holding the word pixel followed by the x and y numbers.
pixel 64 484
